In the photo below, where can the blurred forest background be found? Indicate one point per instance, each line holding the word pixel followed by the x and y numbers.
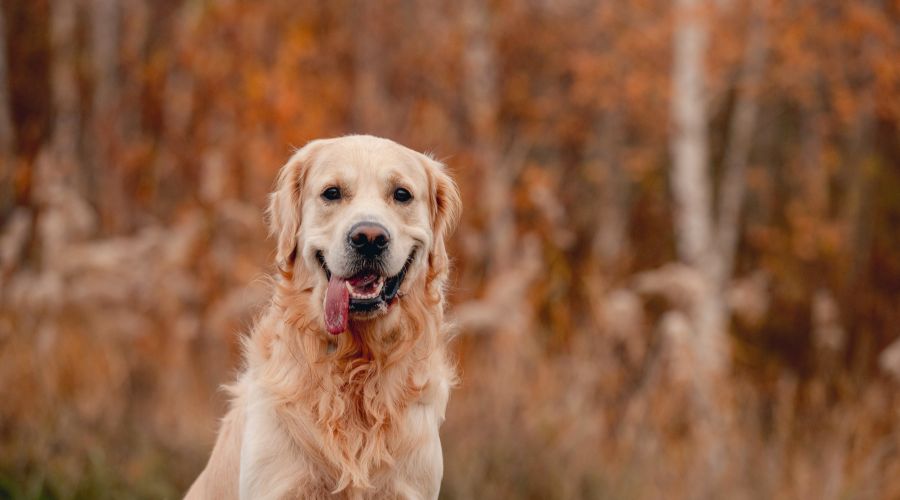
pixel 677 275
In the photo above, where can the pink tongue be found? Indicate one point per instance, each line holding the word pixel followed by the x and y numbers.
pixel 362 280
pixel 337 305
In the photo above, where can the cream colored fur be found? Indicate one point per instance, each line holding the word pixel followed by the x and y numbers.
pixel 355 415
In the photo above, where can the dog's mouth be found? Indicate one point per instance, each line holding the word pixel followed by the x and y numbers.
pixel 362 295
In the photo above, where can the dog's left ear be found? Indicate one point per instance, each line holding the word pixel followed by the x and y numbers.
pixel 446 207
pixel 284 207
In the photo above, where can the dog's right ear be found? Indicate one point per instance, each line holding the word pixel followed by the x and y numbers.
pixel 284 207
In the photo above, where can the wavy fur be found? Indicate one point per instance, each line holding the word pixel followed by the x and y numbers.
pixel 348 416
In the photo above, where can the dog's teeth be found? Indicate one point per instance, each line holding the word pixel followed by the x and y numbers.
pixel 378 286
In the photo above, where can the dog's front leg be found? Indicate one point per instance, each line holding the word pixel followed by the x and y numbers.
pixel 270 467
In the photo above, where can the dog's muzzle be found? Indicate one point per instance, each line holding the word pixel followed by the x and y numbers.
pixel 365 293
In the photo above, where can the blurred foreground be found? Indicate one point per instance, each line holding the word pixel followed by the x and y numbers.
pixel 677 275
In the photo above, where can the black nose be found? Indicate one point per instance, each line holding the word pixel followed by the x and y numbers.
pixel 369 238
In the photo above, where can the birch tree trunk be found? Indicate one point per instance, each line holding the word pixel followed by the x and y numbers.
pixel 692 185
pixel 692 193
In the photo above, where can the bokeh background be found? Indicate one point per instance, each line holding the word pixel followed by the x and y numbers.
pixel 677 273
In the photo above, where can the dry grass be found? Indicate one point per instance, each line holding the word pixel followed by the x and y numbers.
pixel 110 365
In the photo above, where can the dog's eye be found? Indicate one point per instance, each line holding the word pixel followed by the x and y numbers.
pixel 402 195
pixel 332 194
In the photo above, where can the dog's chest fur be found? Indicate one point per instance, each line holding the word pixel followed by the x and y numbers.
pixel 361 426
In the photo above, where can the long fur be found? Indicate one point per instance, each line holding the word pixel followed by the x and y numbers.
pixel 349 416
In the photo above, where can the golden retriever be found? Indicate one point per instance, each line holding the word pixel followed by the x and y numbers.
pixel 346 376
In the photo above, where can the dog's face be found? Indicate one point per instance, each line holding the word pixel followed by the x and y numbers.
pixel 362 219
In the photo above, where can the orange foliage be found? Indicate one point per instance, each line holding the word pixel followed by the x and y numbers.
pixel 131 262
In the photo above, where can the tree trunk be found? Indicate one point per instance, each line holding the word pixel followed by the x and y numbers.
pixel 66 102
pixel 107 177
pixel 611 240
pixel 859 165
pixel 371 111
pixel 7 132
pixel 136 14
pixel 691 183
pixel 814 179
pixel 177 111
pixel 692 192
pixel 737 153
pixel 481 98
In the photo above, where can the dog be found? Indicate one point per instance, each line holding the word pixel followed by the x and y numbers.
pixel 346 374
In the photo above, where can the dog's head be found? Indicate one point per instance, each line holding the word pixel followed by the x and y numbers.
pixel 361 221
